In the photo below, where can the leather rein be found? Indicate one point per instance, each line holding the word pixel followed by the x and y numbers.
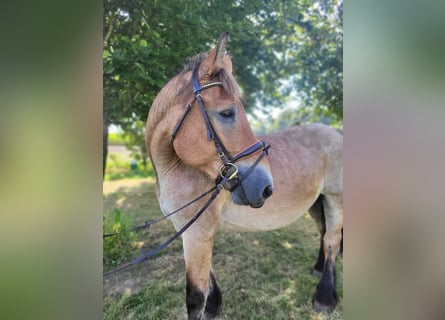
pixel 228 171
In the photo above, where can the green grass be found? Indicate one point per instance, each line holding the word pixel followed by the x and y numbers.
pixel 150 303
pixel 128 174
pixel 262 275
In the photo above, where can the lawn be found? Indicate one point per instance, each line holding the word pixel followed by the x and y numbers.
pixel 262 275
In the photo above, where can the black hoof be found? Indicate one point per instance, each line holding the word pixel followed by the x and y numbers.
pixel 319 307
pixel 324 303
pixel 214 300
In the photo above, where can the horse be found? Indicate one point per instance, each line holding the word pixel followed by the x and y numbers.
pixel 197 134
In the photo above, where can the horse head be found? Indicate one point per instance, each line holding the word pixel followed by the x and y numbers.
pixel 217 113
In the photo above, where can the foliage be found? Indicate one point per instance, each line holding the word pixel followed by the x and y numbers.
pixel 117 249
pixel 294 117
pixel 134 140
pixel 270 41
pixel 115 139
pixel 117 163
pixel 316 49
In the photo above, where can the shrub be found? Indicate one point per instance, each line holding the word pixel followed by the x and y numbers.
pixel 119 248
pixel 115 139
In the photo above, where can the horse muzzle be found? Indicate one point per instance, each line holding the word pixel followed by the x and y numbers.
pixel 253 189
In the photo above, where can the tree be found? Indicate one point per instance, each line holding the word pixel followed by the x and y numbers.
pixel 147 42
pixel 134 140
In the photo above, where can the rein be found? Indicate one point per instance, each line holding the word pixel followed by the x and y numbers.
pixel 144 256
pixel 148 224
pixel 228 171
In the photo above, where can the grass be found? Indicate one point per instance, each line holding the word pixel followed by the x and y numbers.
pixel 128 174
pixel 262 275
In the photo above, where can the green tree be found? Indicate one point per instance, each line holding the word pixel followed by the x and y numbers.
pixel 134 140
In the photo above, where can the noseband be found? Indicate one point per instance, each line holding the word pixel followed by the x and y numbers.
pixel 228 168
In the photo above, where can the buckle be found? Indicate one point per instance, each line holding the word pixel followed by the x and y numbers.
pixel 229 171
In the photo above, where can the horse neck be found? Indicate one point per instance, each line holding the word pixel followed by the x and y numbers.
pixel 160 147
pixel 160 127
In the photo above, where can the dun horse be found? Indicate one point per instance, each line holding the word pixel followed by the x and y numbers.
pixel 196 131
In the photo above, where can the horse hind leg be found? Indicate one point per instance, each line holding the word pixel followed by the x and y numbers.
pixel 325 297
pixel 316 212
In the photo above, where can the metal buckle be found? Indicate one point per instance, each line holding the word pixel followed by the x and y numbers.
pixel 229 171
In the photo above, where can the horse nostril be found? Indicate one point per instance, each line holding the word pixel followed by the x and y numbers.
pixel 267 192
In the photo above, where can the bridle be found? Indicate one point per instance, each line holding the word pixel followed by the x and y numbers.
pixel 228 167
pixel 228 172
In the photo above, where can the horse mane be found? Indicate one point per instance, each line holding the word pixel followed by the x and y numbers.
pixel 193 62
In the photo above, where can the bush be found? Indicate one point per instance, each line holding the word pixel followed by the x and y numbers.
pixel 119 248
pixel 115 139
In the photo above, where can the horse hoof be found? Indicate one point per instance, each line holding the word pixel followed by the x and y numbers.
pixel 326 306
pixel 320 307
pixel 317 273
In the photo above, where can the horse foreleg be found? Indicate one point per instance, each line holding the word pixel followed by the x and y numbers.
pixel 203 297
pixel 325 297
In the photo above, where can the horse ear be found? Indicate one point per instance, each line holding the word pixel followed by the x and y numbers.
pixel 217 58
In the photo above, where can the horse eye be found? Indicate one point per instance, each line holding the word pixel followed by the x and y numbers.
pixel 227 114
